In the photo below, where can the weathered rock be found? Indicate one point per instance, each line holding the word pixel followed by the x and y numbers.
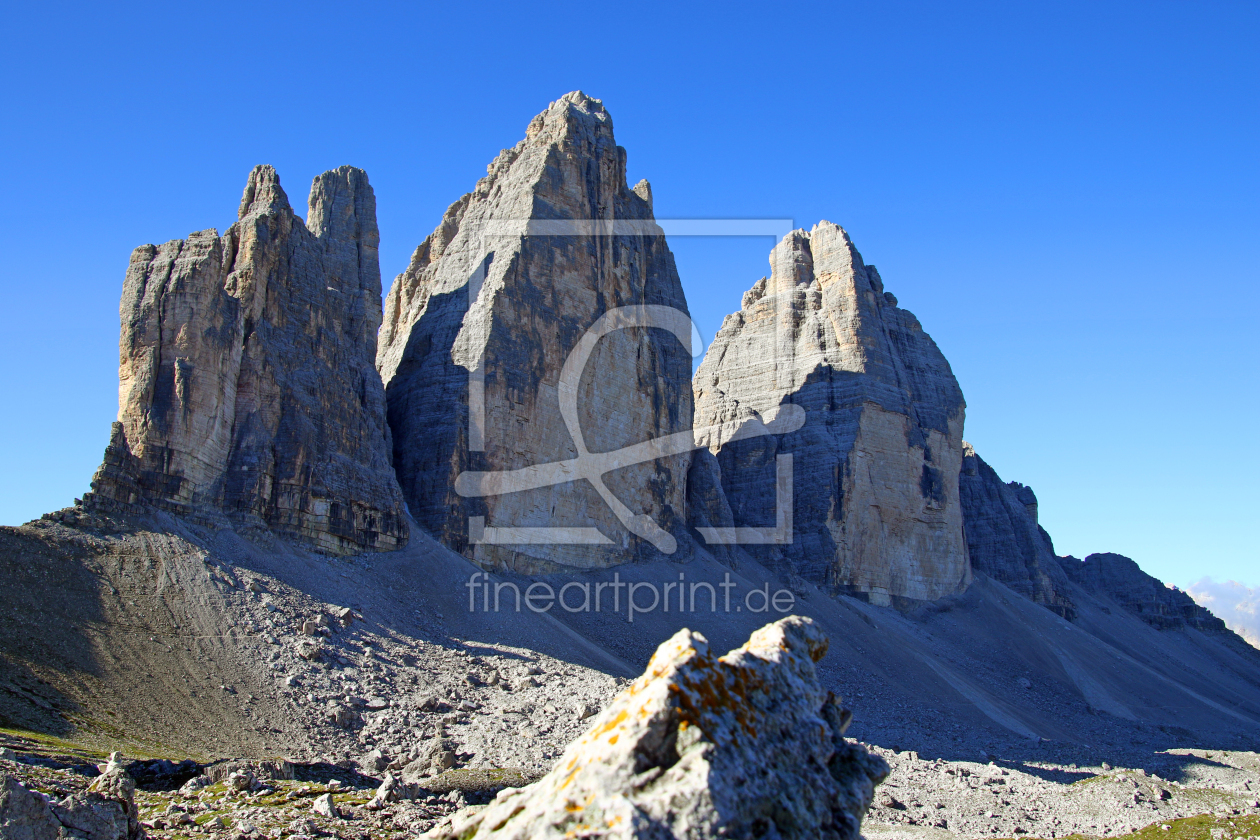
pixel 548 242
pixel 876 510
pixel 25 815
pixel 325 807
pixel 390 790
pixel 374 762
pixel 106 811
pixel 247 384
pixel 1117 577
pixel 746 745
pixel 1003 538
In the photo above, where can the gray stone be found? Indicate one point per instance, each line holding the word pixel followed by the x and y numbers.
pixel 1120 579
pixel 375 761
pixel 876 510
pixel 325 807
pixel 1003 538
pixel 746 745
pixel 247 385
pixel 545 274
pixel 25 815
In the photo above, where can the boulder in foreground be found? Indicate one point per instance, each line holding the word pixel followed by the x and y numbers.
pixel 745 745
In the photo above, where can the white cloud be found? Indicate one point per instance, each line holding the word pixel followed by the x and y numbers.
pixel 1233 603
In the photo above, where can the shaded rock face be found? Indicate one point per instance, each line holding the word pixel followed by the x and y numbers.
pixel 247 382
pixel 745 745
pixel 1117 577
pixel 876 508
pixel 1003 538
pixel 493 294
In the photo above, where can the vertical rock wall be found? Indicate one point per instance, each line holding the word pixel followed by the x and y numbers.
pixel 501 292
pixel 247 383
pixel 876 508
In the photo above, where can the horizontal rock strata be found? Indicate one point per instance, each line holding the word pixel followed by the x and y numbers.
pixel 247 383
pixel 876 508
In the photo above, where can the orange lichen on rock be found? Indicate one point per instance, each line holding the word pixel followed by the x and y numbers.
pixel 702 746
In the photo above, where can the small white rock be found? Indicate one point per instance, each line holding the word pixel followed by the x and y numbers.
pixel 325 807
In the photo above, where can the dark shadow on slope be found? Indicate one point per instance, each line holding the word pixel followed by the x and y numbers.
pixel 49 602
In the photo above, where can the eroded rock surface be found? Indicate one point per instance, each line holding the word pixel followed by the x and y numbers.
pixel 745 745
pixel 105 811
pixel 1003 538
pixel 876 508
pixel 548 242
pixel 1117 577
pixel 247 383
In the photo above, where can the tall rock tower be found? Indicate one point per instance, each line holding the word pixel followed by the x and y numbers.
pixel 247 384
pixel 477 331
pixel 875 467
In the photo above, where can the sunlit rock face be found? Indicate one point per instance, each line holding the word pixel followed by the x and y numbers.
pixel 702 746
pixel 247 383
pixel 875 491
pixel 478 327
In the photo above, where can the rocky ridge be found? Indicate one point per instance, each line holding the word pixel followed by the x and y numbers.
pixel 1003 538
pixel 1121 579
pixel 876 508
pixel 111 599
pixel 247 385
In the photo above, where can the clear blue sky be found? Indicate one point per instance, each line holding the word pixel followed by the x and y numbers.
pixel 1067 195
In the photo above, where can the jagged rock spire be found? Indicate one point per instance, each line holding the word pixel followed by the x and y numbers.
pixel 500 293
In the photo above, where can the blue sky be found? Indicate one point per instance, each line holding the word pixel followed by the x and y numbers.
pixel 1066 195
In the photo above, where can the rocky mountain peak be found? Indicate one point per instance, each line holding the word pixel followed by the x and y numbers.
pixel 247 389
pixel 876 508
pixel 478 326
pixel 263 193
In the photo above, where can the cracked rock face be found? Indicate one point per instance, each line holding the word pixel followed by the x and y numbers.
pixel 480 324
pixel 1003 538
pixel 247 383
pixel 876 507
pixel 743 745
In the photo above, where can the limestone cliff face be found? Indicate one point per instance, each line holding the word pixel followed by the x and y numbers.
pixel 492 304
pixel 247 383
pixel 1004 539
pixel 876 500
pixel 1117 577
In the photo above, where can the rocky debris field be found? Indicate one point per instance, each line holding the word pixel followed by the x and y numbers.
pixel 325 682
pixel 253 799
pixel 181 642
pixel 1187 790
pixel 1197 794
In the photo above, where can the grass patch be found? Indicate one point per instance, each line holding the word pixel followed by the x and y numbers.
pixel 1199 827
